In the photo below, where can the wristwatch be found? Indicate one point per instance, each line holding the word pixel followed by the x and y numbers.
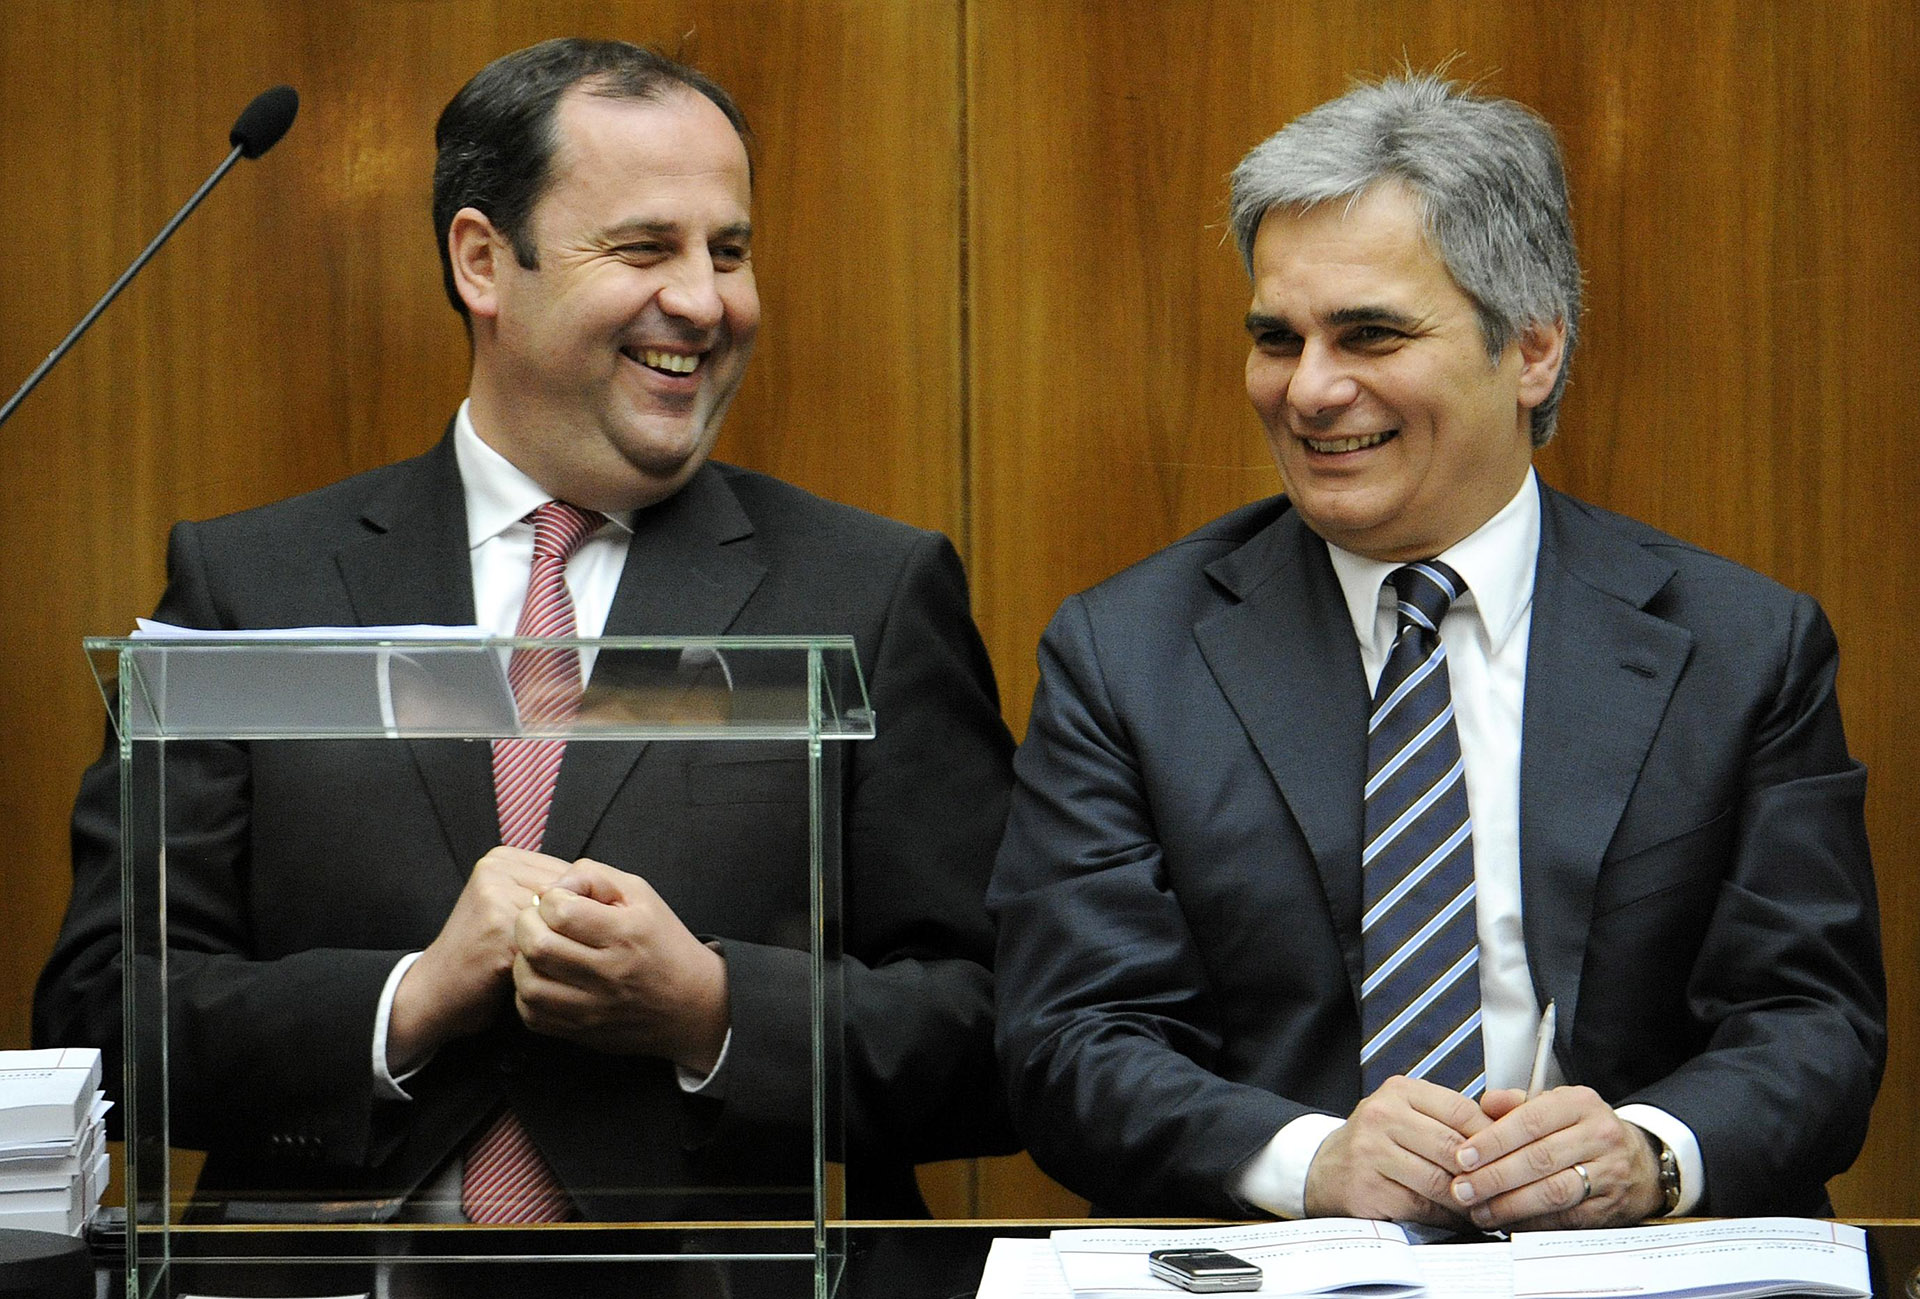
pixel 1669 1175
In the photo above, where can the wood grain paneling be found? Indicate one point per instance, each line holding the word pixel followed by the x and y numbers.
pixel 294 331
pixel 1744 181
pixel 1745 185
pixel 990 245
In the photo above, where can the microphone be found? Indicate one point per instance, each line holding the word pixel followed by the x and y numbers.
pixel 257 129
pixel 262 123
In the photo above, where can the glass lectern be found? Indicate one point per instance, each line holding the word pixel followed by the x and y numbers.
pixel 206 725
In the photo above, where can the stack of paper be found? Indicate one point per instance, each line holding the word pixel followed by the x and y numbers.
pixel 53 1153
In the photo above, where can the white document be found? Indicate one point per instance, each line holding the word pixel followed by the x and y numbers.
pixel 1706 1260
pixel 46 1095
pixel 1477 1271
pixel 1022 1268
pixel 1318 1256
pixel 1734 1258
pixel 33 1157
pixel 148 629
pixel 65 1198
pixel 397 687
pixel 66 1220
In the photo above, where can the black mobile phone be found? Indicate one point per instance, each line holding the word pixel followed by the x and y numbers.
pixel 1204 1271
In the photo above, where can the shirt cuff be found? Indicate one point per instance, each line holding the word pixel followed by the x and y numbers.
pixel 1684 1145
pixel 385 1085
pixel 713 1085
pixel 1276 1178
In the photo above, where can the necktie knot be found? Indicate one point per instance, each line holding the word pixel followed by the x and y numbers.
pixel 1426 589
pixel 559 528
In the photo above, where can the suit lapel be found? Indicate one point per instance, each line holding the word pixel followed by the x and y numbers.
pixel 1600 671
pixel 1283 654
pixel 412 566
pixel 691 567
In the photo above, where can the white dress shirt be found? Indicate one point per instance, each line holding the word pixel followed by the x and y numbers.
pixel 500 545
pixel 500 541
pixel 1486 632
pixel 499 497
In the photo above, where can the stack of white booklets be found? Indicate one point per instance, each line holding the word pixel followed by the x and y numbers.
pixel 53 1150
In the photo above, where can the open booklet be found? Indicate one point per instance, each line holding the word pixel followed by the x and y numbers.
pixel 1724 1259
pixel 1318 1256
pixel 1696 1260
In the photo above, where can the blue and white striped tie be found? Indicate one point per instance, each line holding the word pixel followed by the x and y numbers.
pixel 1420 1004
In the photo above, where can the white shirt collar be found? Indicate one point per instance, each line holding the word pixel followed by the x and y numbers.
pixel 498 493
pixel 1496 561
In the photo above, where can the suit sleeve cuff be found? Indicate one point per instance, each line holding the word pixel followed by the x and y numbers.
pixel 714 1082
pixel 385 1085
pixel 1684 1145
pixel 1275 1179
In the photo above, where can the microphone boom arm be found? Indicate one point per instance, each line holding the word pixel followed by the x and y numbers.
pixel 166 232
pixel 259 128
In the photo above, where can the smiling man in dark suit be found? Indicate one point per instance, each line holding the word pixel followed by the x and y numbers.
pixel 1323 806
pixel 382 983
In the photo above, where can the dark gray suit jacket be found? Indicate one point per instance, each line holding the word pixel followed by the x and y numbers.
pixel 299 873
pixel 1178 892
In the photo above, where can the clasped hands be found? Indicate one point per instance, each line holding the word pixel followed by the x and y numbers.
pixel 582 952
pixel 1416 1152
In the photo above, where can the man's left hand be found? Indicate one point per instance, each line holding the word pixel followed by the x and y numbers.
pixel 1521 1172
pixel 601 960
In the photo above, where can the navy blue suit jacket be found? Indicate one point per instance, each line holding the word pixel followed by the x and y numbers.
pixel 1178 892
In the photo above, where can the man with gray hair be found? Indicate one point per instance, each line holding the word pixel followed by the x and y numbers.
pixel 1425 844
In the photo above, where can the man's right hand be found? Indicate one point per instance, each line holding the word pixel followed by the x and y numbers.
pixel 1394 1158
pixel 465 976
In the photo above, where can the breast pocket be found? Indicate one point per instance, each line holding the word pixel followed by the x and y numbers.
pixel 1694 858
pixel 743 854
pixel 758 778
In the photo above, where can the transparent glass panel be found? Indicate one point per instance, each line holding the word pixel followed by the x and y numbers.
pixel 269 886
pixel 672 688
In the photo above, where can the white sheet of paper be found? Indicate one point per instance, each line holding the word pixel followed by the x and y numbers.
pixel 1479 1271
pixel 1019 1268
pixel 1749 1256
pixel 1308 1257
pixel 148 629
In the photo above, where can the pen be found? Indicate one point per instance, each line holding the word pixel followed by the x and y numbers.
pixel 1542 1053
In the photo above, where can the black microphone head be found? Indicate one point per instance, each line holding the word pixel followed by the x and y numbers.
pixel 262 123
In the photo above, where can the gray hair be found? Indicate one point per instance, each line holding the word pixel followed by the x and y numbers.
pixel 1487 175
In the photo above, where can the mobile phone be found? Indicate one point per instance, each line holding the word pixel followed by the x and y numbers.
pixel 1204 1271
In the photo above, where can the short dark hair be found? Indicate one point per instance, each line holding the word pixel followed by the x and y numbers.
pixel 495 138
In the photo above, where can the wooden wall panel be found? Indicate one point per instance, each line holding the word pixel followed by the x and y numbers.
pixel 998 302
pixel 1747 180
pixel 1744 181
pixel 295 331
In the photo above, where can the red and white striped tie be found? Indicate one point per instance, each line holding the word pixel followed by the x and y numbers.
pixel 506 1179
